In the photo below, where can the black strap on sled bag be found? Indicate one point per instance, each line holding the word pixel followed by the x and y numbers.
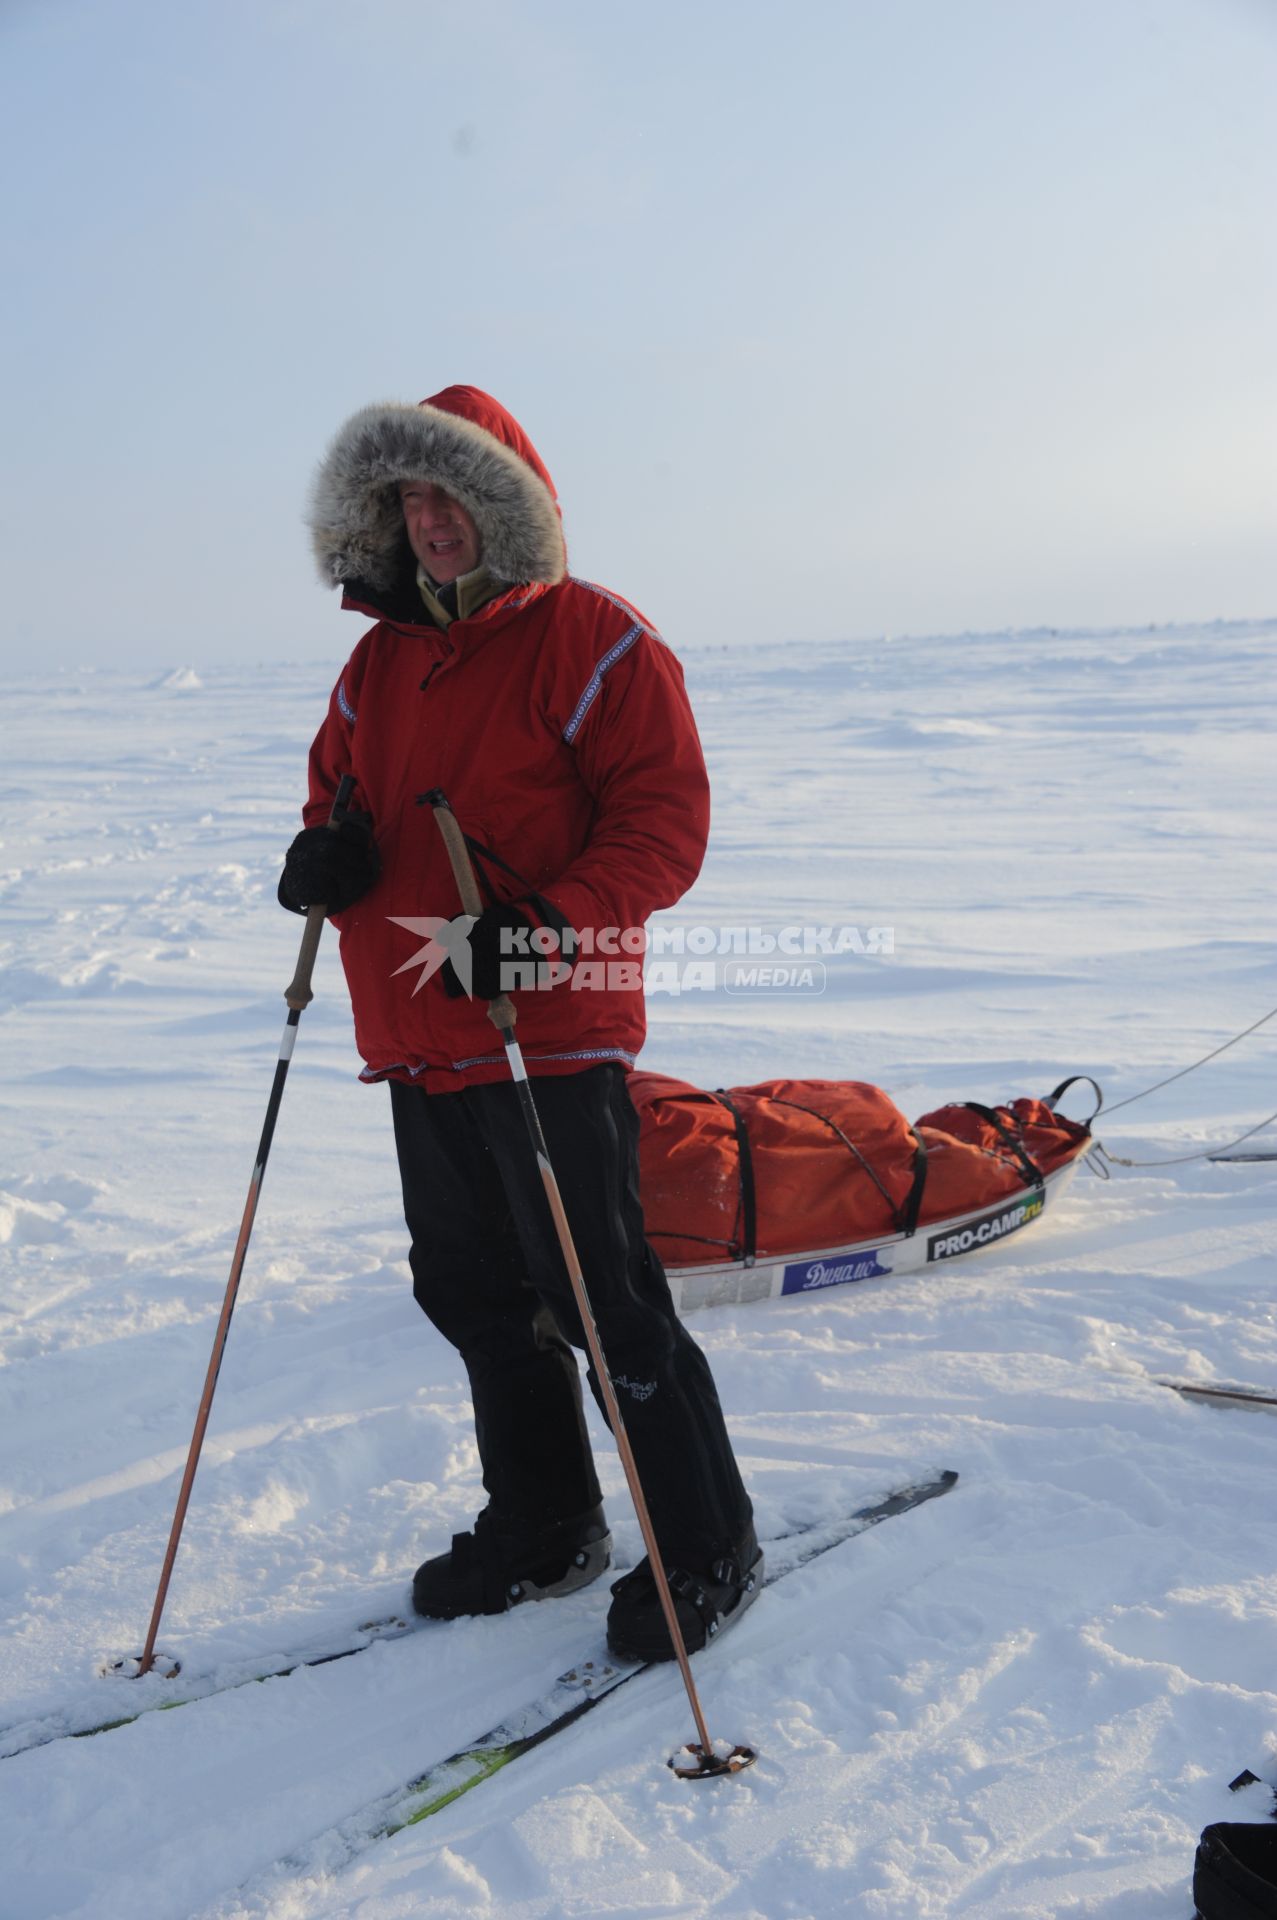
pixel 1056 1094
pixel 1235 1873
pixel 906 1216
pixel 748 1213
pixel 1030 1170
pixel 744 1246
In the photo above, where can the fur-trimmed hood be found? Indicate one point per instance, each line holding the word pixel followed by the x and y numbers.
pixel 461 440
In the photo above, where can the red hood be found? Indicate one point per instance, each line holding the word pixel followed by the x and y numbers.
pixel 461 440
pixel 473 404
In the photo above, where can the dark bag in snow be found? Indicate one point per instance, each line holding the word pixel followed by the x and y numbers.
pixel 1235 1873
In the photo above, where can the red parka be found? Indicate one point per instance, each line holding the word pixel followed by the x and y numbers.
pixel 554 719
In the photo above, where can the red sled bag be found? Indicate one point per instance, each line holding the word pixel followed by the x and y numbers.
pixel 790 1166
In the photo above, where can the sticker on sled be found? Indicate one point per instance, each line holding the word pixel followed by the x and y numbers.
pixel 988 1228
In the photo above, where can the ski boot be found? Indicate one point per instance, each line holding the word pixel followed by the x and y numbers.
pixel 706 1603
pixel 499 1565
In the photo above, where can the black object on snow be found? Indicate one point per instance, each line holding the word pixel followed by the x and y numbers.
pixel 1235 1873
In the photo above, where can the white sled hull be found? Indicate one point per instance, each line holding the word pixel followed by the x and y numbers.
pixel 732 1283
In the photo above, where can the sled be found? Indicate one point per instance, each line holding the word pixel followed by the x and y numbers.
pixel 789 1187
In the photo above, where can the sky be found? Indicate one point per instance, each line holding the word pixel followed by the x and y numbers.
pixel 832 321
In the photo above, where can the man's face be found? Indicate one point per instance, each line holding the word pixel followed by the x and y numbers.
pixel 440 531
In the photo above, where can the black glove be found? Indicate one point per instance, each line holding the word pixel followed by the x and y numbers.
pixel 490 950
pixel 330 866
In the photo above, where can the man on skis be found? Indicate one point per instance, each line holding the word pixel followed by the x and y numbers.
pixel 555 721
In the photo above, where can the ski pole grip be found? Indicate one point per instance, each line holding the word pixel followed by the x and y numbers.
pixel 298 993
pixel 500 1010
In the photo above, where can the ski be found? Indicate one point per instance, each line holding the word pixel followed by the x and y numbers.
pixel 163 1691
pixel 574 1694
pixel 1221 1394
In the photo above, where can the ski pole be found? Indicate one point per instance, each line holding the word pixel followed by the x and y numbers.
pixel 502 1015
pixel 298 996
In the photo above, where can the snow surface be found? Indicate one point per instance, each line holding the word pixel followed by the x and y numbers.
pixel 1025 1699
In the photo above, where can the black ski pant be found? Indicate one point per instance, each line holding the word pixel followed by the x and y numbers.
pixel 488 1272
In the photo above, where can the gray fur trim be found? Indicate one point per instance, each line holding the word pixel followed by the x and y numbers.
pixel 354 515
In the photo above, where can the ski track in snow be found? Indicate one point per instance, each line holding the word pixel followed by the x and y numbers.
pixel 1023 1701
